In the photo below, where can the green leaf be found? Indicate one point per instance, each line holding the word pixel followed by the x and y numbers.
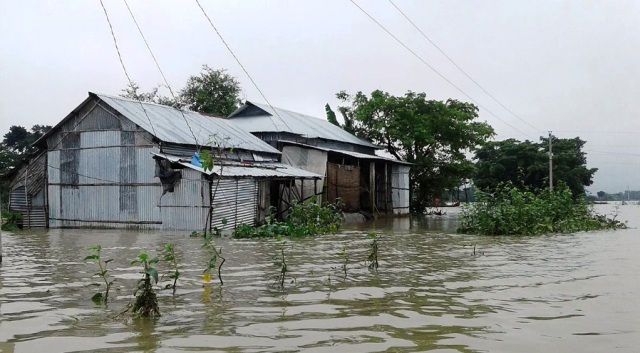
pixel 224 221
pixel 143 257
pixel 154 261
pixel 91 257
pixel 95 248
pixel 153 273
pixel 97 298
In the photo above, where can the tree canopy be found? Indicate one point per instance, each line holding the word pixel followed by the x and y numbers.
pixel 526 164
pixel 211 92
pixel 434 135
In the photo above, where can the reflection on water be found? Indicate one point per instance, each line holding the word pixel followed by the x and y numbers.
pixel 568 293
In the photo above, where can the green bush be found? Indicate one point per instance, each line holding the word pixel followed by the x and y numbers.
pixel 306 218
pixel 10 221
pixel 509 211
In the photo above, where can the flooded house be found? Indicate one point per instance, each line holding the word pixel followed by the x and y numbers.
pixel 349 166
pixel 118 163
pixel 28 189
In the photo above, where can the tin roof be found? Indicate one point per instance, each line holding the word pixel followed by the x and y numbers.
pixel 247 170
pixel 266 119
pixel 349 153
pixel 170 126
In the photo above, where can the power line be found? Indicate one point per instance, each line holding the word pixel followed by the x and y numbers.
pixel 239 63
pixel 599 132
pixel 160 70
pixel 432 68
pixel 614 153
pixel 458 67
pixel 115 42
pixel 107 180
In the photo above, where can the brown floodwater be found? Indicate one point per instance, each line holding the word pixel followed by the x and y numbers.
pixel 557 293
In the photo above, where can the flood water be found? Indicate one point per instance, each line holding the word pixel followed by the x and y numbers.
pixel 561 293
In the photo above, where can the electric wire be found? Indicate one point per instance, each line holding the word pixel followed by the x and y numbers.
pixel 240 64
pixel 432 68
pixel 115 42
pixel 166 82
pixel 458 66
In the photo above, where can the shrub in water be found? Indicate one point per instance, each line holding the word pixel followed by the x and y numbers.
pixel 306 218
pixel 510 211
pixel 10 221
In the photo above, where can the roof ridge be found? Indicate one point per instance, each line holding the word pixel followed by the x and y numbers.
pixel 141 101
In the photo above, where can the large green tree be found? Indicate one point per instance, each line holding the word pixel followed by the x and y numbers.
pixel 434 135
pixel 211 92
pixel 526 164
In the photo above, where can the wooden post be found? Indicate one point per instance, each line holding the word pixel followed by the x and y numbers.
pixel 26 197
pixel 372 185
pixel 386 188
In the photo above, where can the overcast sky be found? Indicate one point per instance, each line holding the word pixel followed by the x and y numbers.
pixel 572 67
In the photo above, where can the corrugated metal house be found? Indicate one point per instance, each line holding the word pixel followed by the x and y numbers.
pixel 27 195
pixel 350 168
pixel 118 163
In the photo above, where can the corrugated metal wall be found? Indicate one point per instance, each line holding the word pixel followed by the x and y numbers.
pixel 187 207
pixel 236 201
pixel 400 188
pixel 30 203
pixel 100 175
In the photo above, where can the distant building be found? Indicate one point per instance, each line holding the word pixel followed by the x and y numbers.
pixel 118 163
pixel 349 167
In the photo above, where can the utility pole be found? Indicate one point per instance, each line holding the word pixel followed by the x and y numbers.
pixel 550 162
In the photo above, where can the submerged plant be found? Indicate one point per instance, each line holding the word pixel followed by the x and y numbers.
pixel 10 221
pixel 345 260
pixel 170 256
pixel 146 302
pixel 282 263
pixel 102 273
pixel 373 252
pixel 216 260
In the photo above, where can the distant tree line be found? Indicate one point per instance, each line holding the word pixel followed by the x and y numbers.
pixel 633 195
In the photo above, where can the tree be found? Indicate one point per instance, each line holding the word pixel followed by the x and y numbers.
pixel 213 92
pixel 434 135
pixel 19 140
pixel 331 115
pixel 132 91
pixel 526 165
